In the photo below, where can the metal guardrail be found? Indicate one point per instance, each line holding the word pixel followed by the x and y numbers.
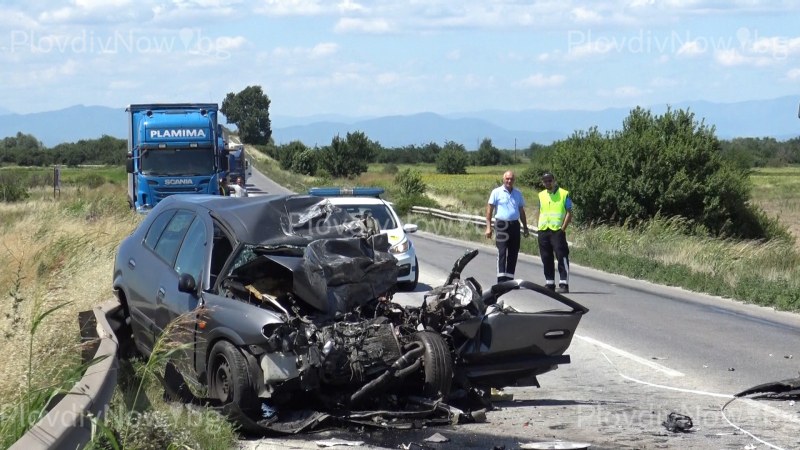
pixel 447 215
pixel 68 424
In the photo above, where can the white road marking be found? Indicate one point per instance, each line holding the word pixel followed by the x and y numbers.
pixel 638 359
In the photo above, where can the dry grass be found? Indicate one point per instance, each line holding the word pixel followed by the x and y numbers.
pixel 57 251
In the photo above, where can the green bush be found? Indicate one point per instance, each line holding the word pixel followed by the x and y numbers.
pixel 347 158
pixel 91 180
pixel 403 205
pixel 305 162
pixel 12 189
pixel 409 183
pixel 668 165
pixel 390 169
pixel 453 159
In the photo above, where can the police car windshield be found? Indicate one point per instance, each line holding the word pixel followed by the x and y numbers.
pixel 379 212
pixel 178 162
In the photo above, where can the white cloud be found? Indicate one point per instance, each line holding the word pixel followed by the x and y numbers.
pixel 589 49
pixel 453 55
pixel 228 43
pixel 539 80
pixel 369 26
pixel 348 6
pixel 730 57
pixel 320 50
pixel 323 49
pixel 793 74
pixel 290 7
pixel 691 49
pixel 584 15
pixel 624 92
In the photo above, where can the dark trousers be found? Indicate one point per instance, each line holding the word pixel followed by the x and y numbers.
pixel 554 241
pixel 507 241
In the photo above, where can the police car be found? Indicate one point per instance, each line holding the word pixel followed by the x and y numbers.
pixel 364 202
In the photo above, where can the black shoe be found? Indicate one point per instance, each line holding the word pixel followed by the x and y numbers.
pixel 552 287
pixel 563 289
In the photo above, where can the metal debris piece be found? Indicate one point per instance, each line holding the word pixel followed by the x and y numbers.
pixel 678 422
pixel 336 441
pixel 438 438
pixel 788 388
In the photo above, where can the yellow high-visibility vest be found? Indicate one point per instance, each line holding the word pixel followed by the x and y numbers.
pixel 552 209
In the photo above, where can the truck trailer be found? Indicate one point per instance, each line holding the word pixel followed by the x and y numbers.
pixel 173 149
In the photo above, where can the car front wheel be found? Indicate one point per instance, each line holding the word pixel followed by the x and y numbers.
pixel 228 380
pixel 437 363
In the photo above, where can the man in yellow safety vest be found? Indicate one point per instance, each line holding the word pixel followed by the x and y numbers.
pixel 555 214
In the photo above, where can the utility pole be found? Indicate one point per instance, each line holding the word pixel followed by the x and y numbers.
pixel 515 150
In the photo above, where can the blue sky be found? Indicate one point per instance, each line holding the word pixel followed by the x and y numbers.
pixel 369 58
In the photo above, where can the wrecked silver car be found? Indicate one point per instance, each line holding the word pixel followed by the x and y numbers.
pixel 288 305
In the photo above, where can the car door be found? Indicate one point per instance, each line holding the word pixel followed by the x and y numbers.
pixel 177 311
pixel 169 302
pixel 141 265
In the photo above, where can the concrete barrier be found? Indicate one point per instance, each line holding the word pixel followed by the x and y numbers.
pixel 68 424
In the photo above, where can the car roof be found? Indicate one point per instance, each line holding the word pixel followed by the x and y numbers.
pixel 264 219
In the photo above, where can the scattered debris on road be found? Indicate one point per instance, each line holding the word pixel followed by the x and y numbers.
pixel 678 423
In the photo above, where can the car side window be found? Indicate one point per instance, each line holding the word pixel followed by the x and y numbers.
pixel 171 238
pixel 384 217
pixel 191 256
pixel 157 228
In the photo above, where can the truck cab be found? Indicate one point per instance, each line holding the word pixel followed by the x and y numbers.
pixel 172 149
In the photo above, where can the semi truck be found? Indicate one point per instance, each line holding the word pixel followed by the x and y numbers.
pixel 238 164
pixel 173 149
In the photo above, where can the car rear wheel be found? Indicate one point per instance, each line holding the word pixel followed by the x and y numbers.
pixel 438 365
pixel 228 380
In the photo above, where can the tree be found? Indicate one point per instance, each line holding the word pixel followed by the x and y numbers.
pixel 667 166
pixel 249 111
pixel 348 157
pixel 453 159
pixel 487 154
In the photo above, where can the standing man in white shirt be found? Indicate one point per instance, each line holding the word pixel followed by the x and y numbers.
pixel 239 189
pixel 507 206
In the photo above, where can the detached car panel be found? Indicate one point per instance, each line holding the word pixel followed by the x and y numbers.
pixel 285 304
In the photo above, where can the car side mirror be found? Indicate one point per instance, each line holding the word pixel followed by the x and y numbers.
pixel 129 165
pixel 409 228
pixel 186 283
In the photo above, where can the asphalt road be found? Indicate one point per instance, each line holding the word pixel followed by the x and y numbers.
pixel 641 352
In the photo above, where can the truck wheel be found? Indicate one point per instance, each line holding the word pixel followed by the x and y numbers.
pixel 228 380
pixel 438 365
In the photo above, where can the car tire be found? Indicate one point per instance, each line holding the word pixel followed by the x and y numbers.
pixel 437 363
pixel 411 285
pixel 228 379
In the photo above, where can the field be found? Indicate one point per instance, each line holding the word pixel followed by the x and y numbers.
pixel 777 191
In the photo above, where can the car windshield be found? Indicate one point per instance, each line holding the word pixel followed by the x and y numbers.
pixel 381 213
pixel 178 161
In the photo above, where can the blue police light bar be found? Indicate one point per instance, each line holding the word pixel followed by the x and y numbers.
pixel 346 192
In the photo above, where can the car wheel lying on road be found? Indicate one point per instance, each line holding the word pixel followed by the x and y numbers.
pixel 228 380
pixel 437 363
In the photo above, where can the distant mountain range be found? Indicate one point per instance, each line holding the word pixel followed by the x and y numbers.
pixel 776 118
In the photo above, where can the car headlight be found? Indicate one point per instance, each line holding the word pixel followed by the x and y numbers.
pixel 402 247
